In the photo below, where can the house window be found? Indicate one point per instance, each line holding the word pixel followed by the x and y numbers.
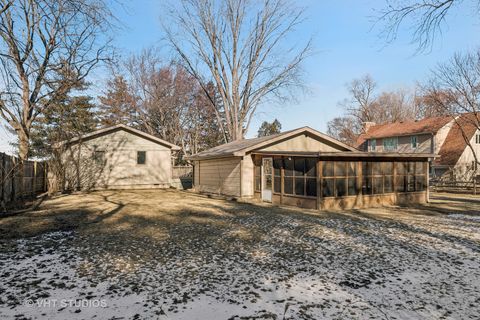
pixel 411 176
pixel 413 142
pixel 258 175
pixel 339 179
pixel 99 157
pixel 300 176
pixel 373 144
pixel 477 138
pixel 377 177
pixel 141 157
pixel 390 144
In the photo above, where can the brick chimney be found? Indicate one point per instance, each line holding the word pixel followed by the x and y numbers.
pixel 367 125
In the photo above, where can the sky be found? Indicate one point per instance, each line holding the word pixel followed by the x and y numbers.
pixel 346 46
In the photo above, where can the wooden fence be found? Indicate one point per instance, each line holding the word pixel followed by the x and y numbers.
pixel 456 186
pixel 182 172
pixel 34 178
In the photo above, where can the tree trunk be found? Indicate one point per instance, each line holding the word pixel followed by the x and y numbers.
pixel 23 148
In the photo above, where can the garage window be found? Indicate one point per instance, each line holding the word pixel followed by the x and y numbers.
pixel 141 157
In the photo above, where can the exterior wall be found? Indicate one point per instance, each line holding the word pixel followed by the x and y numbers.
pixel 464 168
pixel 196 172
pixel 119 168
pixel 303 143
pixel 372 201
pixel 441 135
pixel 220 176
pixel 424 144
pixel 247 176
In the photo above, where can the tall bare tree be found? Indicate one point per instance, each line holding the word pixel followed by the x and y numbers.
pixel 426 18
pixel 47 47
pixel 240 45
pixel 454 86
pixel 365 104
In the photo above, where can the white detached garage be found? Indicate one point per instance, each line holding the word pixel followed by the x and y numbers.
pixel 117 157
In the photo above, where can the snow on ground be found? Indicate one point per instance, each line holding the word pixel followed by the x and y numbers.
pixel 173 255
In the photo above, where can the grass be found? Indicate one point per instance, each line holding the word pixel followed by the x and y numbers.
pixel 180 255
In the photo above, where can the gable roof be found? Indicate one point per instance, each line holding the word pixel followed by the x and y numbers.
pixel 455 144
pixel 241 147
pixel 404 128
pixel 117 127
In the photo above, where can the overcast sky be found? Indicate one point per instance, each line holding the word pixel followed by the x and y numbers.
pixel 346 48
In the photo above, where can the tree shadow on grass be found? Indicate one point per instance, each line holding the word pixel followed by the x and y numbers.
pixel 55 218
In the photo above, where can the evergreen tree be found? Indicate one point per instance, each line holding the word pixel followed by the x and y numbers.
pixel 71 117
pixel 117 105
pixel 267 129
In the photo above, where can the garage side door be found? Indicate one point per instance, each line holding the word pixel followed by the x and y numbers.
pixel 220 176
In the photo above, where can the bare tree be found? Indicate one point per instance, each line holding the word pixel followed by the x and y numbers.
pixel 426 18
pixel 360 105
pixel 366 105
pixel 240 46
pixel 455 87
pixel 345 129
pixel 47 47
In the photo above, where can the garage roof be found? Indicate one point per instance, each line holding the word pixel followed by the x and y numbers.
pixel 241 147
pixel 117 127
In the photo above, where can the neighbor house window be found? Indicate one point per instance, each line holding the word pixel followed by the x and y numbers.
pixel 390 144
pixel 413 142
pixel 141 157
pixel 99 157
pixel 373 144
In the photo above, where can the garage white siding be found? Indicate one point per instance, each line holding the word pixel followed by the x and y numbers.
pixel 220 176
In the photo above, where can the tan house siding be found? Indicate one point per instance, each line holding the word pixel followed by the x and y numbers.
pixel 219 176
pixel 119 168
pixel 247 176
pixel 424 144
pixel 303 143
pixel 464 168
pixel 441 136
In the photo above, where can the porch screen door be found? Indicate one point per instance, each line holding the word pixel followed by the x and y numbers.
pixel 267 179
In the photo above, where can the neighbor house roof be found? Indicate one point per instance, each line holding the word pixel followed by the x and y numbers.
pixel 404 128
pixel 117 127
pixel 241 147
pixel 455 143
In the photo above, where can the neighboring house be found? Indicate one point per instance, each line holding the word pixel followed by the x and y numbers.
pixel 441 136
pixel 116 157
pixel 306 168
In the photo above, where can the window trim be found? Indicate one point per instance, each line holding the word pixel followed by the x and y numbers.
pixel 144 159
pixel 414 140
pixel 373 144
pixel 99 160
pixel 394 146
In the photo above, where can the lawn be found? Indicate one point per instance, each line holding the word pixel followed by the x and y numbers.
pixel 176 255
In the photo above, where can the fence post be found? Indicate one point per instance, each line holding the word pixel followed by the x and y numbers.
pixel 3 181
pixel 34 187
pixel 12 170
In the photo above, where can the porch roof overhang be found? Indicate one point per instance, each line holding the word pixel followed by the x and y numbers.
pixel 349 154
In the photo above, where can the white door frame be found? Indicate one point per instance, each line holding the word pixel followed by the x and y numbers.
pixel 267 193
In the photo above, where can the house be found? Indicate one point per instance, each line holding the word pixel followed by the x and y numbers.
pixel 306 168
pixel 116 157
pixel 442 136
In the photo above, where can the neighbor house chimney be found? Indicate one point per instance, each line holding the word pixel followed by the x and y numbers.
pixel 367 125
